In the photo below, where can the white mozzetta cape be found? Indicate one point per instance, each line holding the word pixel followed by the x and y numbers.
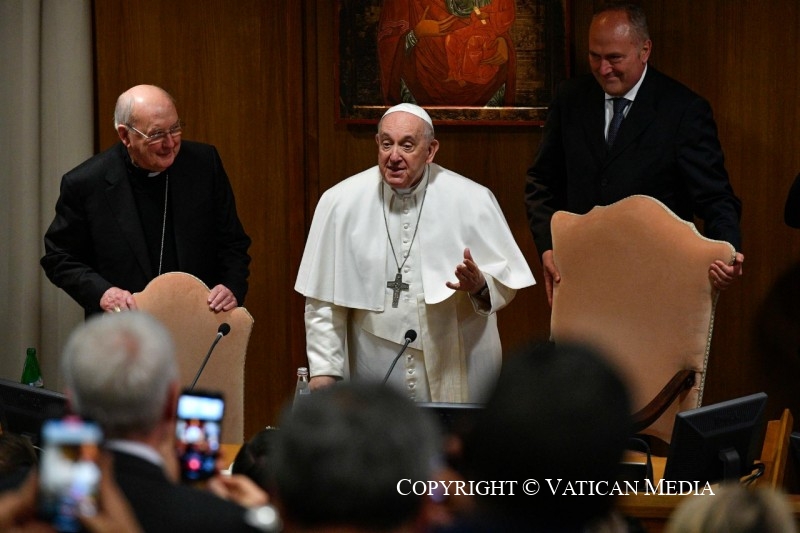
pixel 344 261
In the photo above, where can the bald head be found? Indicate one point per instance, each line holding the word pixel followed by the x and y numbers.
pixel 140 96
pixel 142 117
pixel 619 48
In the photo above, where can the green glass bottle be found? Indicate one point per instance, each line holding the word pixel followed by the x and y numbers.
pixel 31 374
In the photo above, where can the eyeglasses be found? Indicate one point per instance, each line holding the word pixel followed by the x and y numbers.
pixel 159 136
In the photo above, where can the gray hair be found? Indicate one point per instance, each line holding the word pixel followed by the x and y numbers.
pixel 340 454
pixel 123 110
pixel 636 17
pixel 734 509
pixel 428 133
pixel 118 369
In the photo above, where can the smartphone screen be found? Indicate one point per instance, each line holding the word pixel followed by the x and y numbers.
pixel 198 433
pixel 69 477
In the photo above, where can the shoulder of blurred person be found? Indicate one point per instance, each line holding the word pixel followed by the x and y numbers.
pixel 17 457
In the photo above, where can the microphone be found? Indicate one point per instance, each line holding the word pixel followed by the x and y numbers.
pixel 411 336
pixel 222 330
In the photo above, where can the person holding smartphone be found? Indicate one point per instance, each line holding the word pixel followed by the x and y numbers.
pixel 198 433
pixel 120 370
pixel 113 515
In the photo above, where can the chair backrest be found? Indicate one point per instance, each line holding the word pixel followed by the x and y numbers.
pixel 634 284
pixel 179 301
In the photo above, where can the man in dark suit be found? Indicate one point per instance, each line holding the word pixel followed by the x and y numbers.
pixel 120 370
pixel 666 146
pixel 148 205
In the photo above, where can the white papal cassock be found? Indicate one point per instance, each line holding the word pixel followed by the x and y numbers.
pixel 351 326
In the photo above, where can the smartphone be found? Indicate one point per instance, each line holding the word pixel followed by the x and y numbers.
pixel 69 477
pixel 197 433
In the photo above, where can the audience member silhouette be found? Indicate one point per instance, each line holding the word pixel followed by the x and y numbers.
pixel 120 370
pixel 250 480
pixel 17 457
pixel 558 420
pixel 734 509
pixel 254 458
pixel 340 455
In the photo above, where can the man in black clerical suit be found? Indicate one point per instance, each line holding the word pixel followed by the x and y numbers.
pixel 148 205
pixel 666 146
pixel 120 370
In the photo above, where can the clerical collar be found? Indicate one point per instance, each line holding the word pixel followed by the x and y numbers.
pixel 137 171
pixel 411 190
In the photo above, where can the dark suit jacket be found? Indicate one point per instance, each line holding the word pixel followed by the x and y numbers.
pixel 162 506
pixel 96 240
pixel 667 148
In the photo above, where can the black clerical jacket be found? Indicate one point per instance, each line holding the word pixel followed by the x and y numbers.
pixel 96 240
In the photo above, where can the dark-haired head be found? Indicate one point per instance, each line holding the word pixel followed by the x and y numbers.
pixel 558 413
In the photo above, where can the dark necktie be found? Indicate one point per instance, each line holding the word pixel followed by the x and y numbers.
pixel 619 113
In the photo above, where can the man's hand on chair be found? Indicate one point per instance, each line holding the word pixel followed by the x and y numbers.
pixel 723 275
pixel 551 275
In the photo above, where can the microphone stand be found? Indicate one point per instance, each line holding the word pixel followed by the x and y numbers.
pixel 220 333
pixel 408 341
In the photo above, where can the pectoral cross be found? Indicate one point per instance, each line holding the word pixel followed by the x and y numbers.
pixel 397 285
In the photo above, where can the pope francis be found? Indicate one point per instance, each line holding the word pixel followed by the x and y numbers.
pixel 409 245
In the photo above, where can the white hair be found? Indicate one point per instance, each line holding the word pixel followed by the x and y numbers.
pixel 118 369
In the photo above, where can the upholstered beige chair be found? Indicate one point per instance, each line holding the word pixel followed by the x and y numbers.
pixel 179 300
pixel 634 283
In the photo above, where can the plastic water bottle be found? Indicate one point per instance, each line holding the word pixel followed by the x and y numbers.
pixel 301 390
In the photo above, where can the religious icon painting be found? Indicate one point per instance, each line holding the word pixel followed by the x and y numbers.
pixel 465 61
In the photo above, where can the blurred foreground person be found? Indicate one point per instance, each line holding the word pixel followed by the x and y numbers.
pixel 734 509
pixel 559 413
pixel 120 370
pixel 341 454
